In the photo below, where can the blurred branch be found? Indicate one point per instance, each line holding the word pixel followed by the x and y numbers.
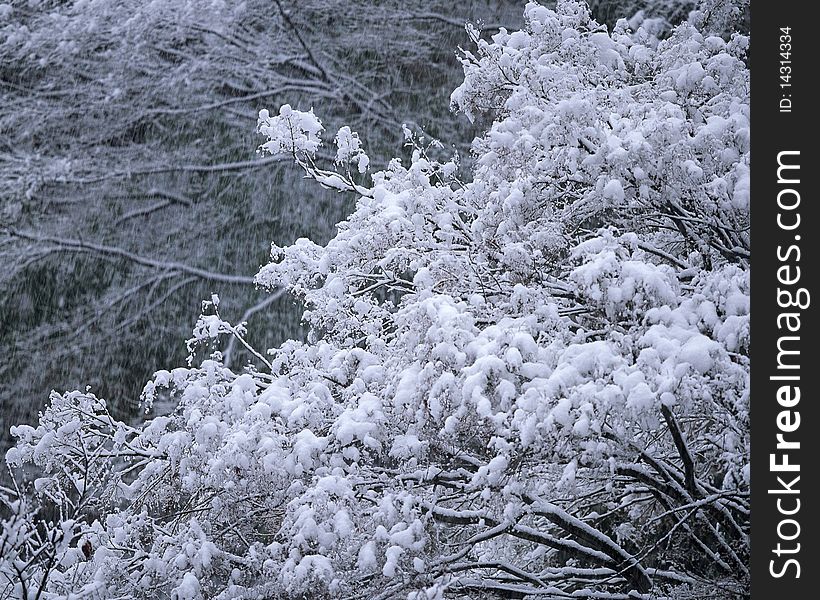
pixel 72 245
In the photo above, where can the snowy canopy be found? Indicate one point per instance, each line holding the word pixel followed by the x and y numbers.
pixel 530 383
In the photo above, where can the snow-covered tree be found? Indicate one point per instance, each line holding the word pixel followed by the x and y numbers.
pixel 532 383
pixel 128 189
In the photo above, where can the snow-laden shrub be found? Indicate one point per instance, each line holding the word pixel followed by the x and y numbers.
pixel 533 383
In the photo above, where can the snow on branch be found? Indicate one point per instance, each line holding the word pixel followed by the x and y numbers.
pixel 528 382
